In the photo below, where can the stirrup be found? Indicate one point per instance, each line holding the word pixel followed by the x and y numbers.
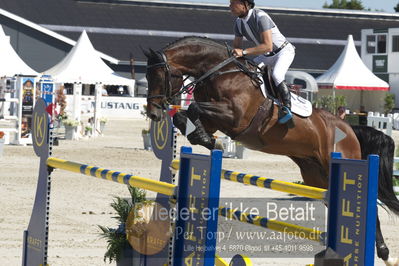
pixel 287 115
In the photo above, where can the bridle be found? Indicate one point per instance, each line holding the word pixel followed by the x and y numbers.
pixel 168 84
pixel 168 97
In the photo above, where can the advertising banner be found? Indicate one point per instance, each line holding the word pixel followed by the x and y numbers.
pixel 28 96
pixel 111 107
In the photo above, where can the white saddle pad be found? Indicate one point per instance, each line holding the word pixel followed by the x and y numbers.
pixel 299 105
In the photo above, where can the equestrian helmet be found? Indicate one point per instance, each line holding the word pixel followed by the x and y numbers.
pixel 250 2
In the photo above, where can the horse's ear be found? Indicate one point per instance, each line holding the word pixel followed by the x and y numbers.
pixel 147 53
pixel 153 53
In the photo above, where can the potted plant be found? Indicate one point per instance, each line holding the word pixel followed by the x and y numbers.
pixel 103 121
pixel 88 130
pixel 118 248
pixel 70 128
pixel 146 139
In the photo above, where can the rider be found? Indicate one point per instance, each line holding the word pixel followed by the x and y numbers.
pixel 271 47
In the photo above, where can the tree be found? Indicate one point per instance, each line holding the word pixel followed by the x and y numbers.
pixel 396 8
pixel 344 4
pixel 389 102
pixel 331 104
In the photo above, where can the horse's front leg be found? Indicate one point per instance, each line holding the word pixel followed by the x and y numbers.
pixel 190 125
pixel 198 113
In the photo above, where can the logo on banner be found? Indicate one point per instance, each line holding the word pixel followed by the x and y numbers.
pixel 40 129
pixel 161 133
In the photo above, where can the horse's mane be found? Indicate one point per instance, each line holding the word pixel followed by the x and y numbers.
pixel 196 40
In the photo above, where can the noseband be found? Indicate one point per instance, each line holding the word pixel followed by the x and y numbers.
pixel 168 85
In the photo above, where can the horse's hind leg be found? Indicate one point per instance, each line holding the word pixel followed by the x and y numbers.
pixel 312 171
pixel 382 249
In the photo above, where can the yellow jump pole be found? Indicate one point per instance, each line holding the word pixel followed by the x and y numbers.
pixel 269 183
pixel 122 178
pixel 299 231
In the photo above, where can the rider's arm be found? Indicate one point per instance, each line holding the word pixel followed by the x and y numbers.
pixel 237 43
pixel 264 47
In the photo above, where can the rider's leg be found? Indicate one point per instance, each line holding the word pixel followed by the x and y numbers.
pixel 283 61
pixel 284 93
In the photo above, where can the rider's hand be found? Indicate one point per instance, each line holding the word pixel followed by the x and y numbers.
pixel 238 52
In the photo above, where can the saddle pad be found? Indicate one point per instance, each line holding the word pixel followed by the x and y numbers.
pixel 299 105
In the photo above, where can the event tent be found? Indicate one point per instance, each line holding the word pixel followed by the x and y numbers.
pixel 83 64
pixel 348 75
pixel 11 63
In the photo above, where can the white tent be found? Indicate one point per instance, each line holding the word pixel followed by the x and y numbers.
pixel 349 74
pixel 11 63
pixel 83 64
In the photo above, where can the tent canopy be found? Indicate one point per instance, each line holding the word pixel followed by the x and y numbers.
pixel 350 73
pixel 11 63
pixel 83 64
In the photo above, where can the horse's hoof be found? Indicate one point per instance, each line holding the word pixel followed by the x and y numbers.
pixel 196 138
pixel 382 251
pixel 392 262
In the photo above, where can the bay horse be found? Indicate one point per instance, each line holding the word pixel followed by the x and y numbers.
pixel 228 98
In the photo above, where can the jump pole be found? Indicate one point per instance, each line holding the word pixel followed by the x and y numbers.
pixel 114 176
pixel 269 183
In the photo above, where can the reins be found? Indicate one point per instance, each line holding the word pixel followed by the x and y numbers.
pixel 189 88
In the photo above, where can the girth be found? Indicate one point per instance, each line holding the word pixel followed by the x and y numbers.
pixel 250 136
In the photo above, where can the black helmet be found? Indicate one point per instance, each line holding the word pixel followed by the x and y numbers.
pixel 250 2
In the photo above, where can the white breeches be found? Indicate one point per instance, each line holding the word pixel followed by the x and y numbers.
pixel 278 63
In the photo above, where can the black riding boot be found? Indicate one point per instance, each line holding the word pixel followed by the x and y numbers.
pixel 285 95
pixel 285 115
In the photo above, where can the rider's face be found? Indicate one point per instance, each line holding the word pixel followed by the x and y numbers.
pixel 237 8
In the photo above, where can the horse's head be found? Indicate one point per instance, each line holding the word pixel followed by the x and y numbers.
pixel 164 82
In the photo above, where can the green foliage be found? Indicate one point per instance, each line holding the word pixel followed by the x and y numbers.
pixel 70 122
pixel 396 8
pixel 116 238
pixel 343 4
pixel 137 195
pixel 116 241
pixel 330 104
pixel 389 102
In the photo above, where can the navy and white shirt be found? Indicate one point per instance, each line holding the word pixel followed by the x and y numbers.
pixel 258 21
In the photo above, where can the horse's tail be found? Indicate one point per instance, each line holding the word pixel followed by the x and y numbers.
pixel 373 141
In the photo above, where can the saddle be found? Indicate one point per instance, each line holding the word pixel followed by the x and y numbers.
pixel 300 106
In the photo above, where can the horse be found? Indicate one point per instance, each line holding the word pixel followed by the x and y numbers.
pixel 228 98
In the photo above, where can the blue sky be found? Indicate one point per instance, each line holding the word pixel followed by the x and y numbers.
pixel 386 5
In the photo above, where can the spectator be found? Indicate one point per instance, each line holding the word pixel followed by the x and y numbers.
pixel 341 112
